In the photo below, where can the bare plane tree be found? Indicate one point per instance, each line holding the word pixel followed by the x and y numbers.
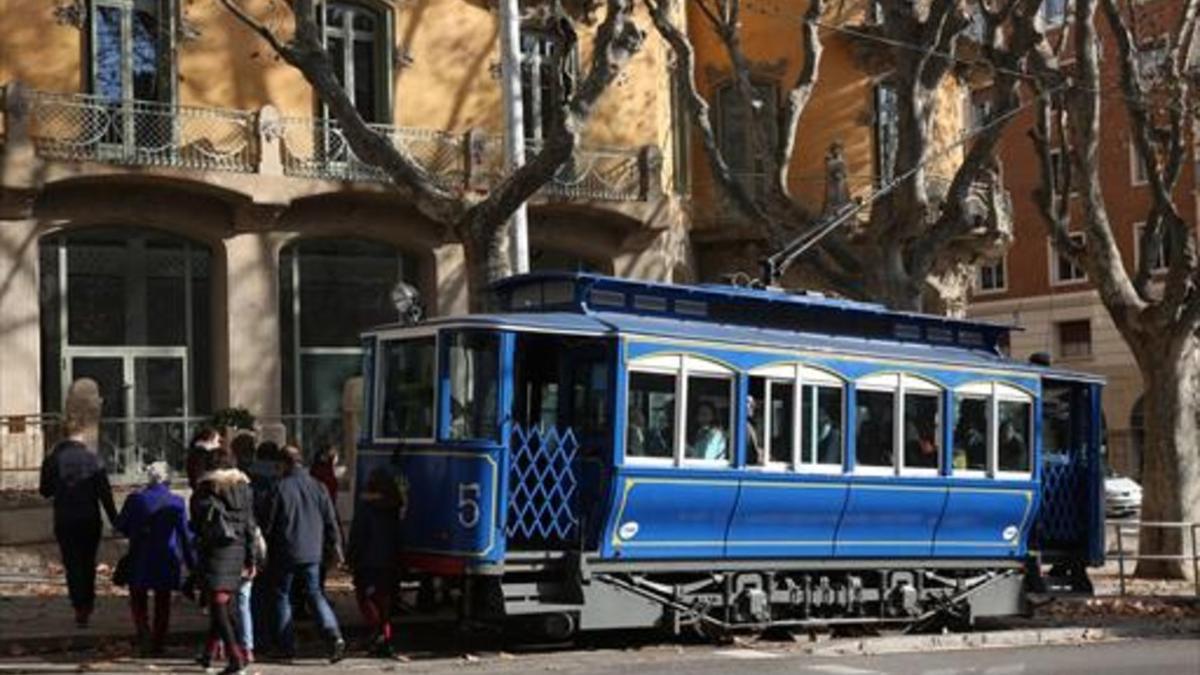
pixel 1157 317
pixel 924 235
pixel 477 221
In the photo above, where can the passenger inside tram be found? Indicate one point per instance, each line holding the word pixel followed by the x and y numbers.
pixel 708 439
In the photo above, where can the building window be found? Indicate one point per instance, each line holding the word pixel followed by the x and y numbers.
pixel 1063 270
pixel 356 37
pixel 887 132
pixel 541 81
pixel 330 291
pixel 1137 166
pixel 1161 256
pixel 1059 177
pixel 681 133
pixel 131 50
pixel 750 164
pixel 1054 12
pixel 129 308
pixel 1074 338
pixel 991 277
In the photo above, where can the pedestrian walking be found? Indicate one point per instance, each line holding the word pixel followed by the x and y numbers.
pixel 223 517
pixel 75 478
pixel 373 554
pixel 324 471
pixel 199 453
pixel 155 521
pixel 263 474
pixel 301 527
pixel 243 448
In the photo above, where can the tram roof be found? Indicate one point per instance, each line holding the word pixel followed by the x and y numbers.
pixel 824 330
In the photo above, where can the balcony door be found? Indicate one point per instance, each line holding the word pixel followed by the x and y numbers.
pixel 356 36
pixel 131 76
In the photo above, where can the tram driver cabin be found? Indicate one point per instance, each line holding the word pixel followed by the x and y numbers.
pixel 612 453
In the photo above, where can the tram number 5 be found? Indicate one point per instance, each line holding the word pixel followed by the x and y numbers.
pixel 468 504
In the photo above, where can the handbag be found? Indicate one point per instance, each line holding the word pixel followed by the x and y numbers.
pixel 120 575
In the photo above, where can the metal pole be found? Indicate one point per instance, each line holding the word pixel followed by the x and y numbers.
pixel 514 123
pixel 1195 560
pixel 1121 558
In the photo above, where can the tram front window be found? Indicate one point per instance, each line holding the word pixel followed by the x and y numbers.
pixel 474 384
pixel 651 416
pixel 408 373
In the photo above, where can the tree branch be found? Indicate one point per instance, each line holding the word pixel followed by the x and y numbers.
pixel 797 99
pixel 685 63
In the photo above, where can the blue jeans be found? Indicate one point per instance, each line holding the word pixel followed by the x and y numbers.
pixel 245 616
pixel 309 575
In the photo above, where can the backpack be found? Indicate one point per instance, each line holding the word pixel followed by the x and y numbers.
pixel 216 528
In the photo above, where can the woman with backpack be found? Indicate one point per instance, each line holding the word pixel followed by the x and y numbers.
pixel 223 517
pixel 155 521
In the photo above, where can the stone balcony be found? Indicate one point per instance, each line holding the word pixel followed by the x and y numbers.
pixel 224 145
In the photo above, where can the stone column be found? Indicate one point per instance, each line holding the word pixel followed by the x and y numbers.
pixel 452 295
pixel 248 361
pixel 21 433
pixel 20 342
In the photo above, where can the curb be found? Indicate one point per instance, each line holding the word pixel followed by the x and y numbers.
pixel 1021 637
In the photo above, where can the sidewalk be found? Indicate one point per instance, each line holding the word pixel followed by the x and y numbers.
pixel 35 615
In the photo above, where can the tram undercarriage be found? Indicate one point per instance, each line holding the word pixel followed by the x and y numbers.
pixel 751 596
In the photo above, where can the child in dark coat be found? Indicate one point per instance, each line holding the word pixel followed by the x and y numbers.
pixel 373 555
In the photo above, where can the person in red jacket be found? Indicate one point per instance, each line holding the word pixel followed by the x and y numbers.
pixel 324 469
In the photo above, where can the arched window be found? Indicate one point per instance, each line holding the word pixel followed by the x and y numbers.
pixel 899 425
pixel 785 429
pixel 129 308
pixel 680 411
pixel 330 291
pixel 993 430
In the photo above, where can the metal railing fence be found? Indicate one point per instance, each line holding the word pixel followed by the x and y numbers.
pixel 1121 556
pixel 85 127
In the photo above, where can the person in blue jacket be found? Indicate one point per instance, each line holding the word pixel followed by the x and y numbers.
pixel 155 520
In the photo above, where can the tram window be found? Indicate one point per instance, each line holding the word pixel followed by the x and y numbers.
pixel 821 435
pixel 771 413
pixel 651 418
pixel 408 367
pixel 474 379
pixel 709 402
pixel 756 417
pixel 1013 439
pixel 922 429
pixel 782 401
pixel 971 433
pixel 876 431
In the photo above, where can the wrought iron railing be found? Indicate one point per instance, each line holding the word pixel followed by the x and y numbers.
pixel 1121 555
pixel 82 127
pixel 317 148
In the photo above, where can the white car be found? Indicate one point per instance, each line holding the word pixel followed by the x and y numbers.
pixel 1122 497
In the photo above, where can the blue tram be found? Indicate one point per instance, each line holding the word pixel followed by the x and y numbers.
pixel 603 453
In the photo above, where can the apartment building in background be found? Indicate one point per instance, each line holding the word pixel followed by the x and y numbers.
pixel 1050 299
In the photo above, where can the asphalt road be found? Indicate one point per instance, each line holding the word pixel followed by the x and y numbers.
pixel 1152 657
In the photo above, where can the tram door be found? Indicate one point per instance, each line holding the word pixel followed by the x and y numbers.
pixel 1071 518
pixel 561 441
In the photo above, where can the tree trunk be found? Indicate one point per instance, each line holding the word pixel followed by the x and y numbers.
pixel 485 250
pixel 1171 473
